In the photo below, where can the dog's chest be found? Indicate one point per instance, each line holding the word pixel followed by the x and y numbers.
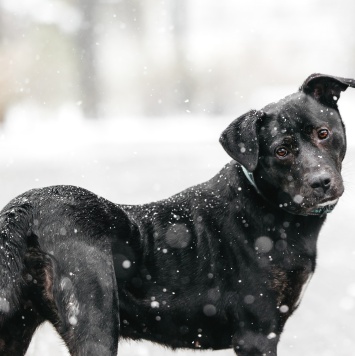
pixel 289 287
pixel 285 256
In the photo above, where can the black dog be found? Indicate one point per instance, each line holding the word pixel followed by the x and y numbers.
pixel 220 265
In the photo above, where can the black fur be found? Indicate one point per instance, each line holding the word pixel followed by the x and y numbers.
pixel 220 265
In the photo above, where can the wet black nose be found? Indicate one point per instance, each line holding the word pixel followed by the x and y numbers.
pixel 320 182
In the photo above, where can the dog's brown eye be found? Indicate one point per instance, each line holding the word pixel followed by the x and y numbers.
pixel 281 152
pixel 323 134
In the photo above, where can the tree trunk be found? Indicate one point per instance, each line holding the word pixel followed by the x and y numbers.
pixel 86 43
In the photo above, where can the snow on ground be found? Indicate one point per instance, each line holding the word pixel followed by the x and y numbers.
pixel 136 161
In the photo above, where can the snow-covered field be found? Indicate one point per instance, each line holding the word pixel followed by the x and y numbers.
pixel 138 161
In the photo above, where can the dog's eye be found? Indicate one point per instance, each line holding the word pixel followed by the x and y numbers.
pixel 281 152
pixel 323 134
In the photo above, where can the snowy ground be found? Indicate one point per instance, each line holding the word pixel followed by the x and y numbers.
pixel 140 161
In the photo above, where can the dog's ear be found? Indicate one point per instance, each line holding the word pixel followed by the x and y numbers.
pixel 326 88
pixel 240 140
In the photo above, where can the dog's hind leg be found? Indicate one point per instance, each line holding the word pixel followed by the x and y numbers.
pixel 89 322
pixel 84 307
pixel 16 331
pixel 88 326
pixel 19 316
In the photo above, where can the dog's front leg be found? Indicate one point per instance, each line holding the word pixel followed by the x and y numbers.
pixel 252 343
pixel 258 327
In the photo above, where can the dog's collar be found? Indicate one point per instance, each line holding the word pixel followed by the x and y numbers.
pixel 250 177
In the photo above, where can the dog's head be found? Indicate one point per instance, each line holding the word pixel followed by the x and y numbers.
pixel 293 149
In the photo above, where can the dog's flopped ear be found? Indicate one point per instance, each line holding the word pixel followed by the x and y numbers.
pixel 240 140
pixel 326 88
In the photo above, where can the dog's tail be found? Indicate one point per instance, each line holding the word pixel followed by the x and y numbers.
pixel 15 225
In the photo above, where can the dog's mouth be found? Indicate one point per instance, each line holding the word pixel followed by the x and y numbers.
pixel 324 208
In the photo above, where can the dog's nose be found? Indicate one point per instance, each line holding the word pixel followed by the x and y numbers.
pixel 320 182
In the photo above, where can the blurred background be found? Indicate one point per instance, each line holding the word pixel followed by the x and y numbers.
pixel 127 98
pixel 120 58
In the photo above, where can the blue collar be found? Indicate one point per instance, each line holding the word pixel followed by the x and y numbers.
pixel 250 177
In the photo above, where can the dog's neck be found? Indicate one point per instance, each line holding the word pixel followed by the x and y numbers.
pixel 250 177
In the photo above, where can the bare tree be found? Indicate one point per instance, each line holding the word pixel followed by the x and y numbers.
pixel 86 59
pixel 183 80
